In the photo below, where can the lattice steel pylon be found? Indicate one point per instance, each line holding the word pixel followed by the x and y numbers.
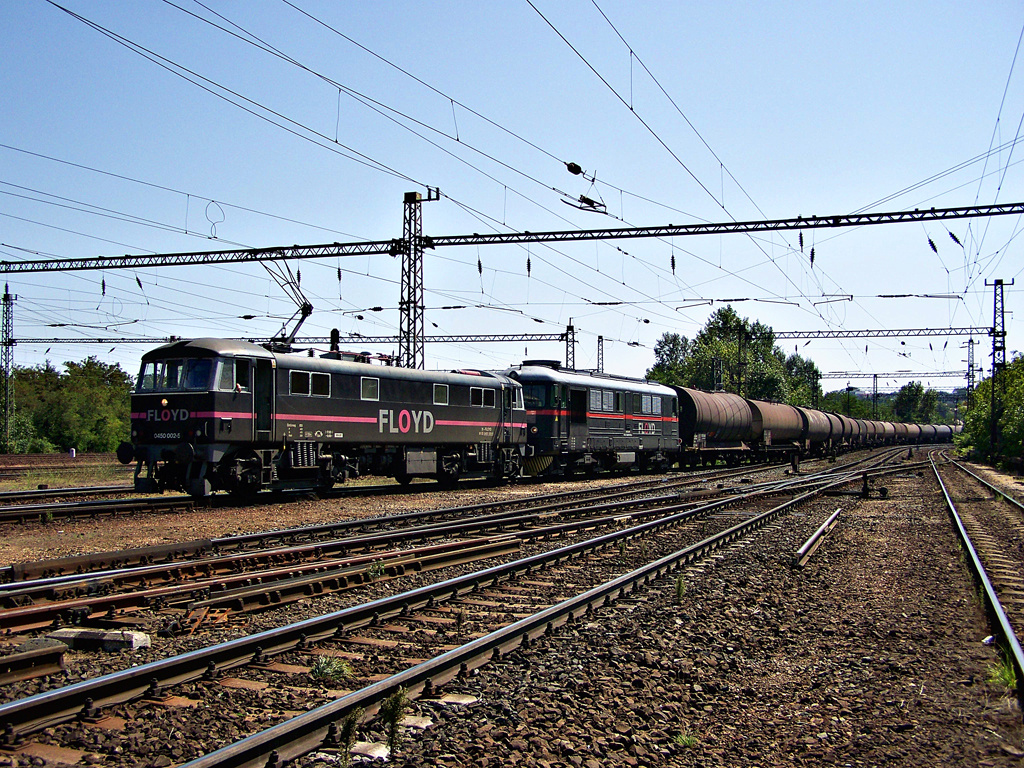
pixel 970 372
pixel 998 362
pixel 411 322
pixel 7 363
pixel 570 346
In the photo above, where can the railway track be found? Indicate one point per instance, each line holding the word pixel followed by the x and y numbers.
pixel 990 524
pixel 432 616
pixel 245 573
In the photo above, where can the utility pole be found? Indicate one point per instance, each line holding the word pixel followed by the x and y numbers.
pixel 998 362
pixel 7 363
pixel 874 397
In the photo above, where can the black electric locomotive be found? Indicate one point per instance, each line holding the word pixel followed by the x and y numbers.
pixel 216 414
pixel 580 420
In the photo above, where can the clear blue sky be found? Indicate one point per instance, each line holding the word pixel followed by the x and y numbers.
pixel 772 110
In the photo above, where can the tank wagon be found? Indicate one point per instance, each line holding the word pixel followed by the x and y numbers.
pixel 216 414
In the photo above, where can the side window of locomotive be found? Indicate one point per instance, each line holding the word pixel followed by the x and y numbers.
pixel 320 384
pixel 636 404
pixel 242 381
pixel 440 394
pixel 369 388
pixel 620 402
pixel 481 398
pixel 226 375
pixel 646 403
pixel 595 400
pixel 609 401
pixel 517 400
pixel 656 405
pixel 299 383
pixel 198 374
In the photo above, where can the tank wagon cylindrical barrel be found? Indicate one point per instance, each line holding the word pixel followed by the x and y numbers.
pixel 817 430
pixel 713 418
pixel 928 433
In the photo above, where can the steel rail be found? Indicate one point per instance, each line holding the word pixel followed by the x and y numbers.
pixel 51 707
pixel 811 545
pixel 122 563
pixel 21 512
pixel 1009 642
pixel 995 489
pixel 314 729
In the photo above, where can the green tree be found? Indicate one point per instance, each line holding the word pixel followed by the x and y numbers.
pixel 670 353
pixel 85 407
pixel 908 401
pixel 744 353
pixel 977 432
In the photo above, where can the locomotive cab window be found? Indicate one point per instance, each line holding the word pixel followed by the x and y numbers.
pixel 172 374
pixel 440 394
pixel 538 396
pixel 369 388
pixel 656 406
pixel 198 374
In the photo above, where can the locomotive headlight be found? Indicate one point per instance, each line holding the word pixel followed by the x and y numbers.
pixel 163 403
pixel 533 430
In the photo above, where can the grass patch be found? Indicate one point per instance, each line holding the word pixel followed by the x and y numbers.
pixel 329 670
pixel 391 712
pixel 685 739
pixel 1003 674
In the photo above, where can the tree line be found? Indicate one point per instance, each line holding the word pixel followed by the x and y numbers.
pixel 734 354
pixel 85 407
pixel 977 436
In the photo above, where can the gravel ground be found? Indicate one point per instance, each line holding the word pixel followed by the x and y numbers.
pixel 871 655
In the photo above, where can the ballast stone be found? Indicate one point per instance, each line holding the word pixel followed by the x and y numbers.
pixel 101 639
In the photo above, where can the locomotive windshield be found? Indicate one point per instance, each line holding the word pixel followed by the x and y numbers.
pixel 175 375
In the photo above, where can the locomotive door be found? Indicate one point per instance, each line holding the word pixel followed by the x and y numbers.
pixel 506 415
pixel 263 399
pixel 577 419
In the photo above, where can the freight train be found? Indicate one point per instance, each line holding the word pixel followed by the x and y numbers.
pixel 221 415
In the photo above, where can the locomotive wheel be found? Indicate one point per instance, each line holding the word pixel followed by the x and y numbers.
pixel 512 466
pixel 449 469
pixel 403 478
pixel 248 468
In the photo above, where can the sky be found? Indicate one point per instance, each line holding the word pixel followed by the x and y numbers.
pixel 170 126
